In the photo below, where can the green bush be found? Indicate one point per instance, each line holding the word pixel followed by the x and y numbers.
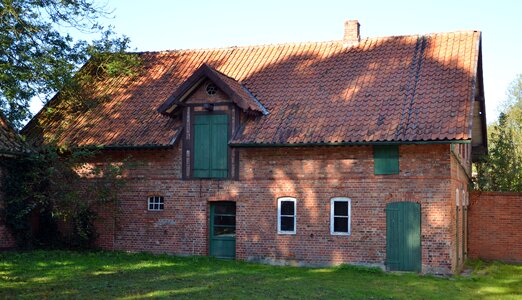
pixel 47 186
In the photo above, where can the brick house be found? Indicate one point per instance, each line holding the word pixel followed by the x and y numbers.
pixel 11 147
pixel 351 151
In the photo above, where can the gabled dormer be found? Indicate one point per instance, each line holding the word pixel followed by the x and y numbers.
pixel 235 91
pixel 210 105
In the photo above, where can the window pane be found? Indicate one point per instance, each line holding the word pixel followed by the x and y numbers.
pixel 341 208
pixel 225 208
pixel 224 220
pixel 287 208
pixel 287 224
pixel 224 231
pixel 155 203
pixel 340 224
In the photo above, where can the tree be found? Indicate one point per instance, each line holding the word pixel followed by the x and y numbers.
pixel 513 108
pixel 38 56
pixel 501 170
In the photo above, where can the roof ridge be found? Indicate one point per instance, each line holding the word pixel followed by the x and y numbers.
pixel 424 34
pixel 234 47
pixel 297 43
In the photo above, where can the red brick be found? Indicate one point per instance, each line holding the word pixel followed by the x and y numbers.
pixel 312 175
pixel 495 226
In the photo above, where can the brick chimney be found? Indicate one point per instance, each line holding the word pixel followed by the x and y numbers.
pixel 351 31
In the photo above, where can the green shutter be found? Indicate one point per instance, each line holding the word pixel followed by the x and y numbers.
pixel 386 159
pixel 201 168
pixel 210 146
pixel 219 146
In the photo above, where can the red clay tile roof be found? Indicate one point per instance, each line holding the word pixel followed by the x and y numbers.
pixel 400 89
pixel 10 141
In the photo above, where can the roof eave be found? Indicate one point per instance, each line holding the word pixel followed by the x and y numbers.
pixel 170 145
pixel 267 145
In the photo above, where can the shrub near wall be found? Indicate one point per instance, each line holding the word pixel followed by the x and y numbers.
pixel 495 226
pixel 6 238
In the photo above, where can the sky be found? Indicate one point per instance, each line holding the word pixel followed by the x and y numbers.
pixel 154 25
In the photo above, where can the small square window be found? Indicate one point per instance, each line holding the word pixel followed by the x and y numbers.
pixel 340 216
pixel 156 203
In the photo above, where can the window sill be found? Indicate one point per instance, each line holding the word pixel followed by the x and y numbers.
pixel 213 179
pixel 386 174
pixel 340 233
pixel 286 232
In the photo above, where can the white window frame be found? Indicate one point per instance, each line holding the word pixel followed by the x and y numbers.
pixel 152 200
pixel 290 199
pixel 332 216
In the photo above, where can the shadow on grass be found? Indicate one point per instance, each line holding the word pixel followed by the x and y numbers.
pixel 64 274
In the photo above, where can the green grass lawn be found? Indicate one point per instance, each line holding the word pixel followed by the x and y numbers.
pixel 64 274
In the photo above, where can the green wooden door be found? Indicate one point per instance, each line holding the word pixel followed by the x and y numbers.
pixel 223 229
pixel 403 236
pixel 210 146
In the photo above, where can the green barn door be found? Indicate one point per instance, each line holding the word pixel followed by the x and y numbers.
pixel 403 242
pixel 223 229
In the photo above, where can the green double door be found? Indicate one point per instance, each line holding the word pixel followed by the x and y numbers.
pixel 210 146
pixel 403 236
pixel 223 229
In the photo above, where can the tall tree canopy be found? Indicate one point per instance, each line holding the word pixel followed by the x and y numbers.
pixel 502 169
pixel 37 54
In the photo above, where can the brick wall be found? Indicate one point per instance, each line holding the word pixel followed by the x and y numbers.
pixel 495 226
pixel 313 176
pixel 461 179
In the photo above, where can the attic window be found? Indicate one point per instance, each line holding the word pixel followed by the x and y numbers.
pixel 211 89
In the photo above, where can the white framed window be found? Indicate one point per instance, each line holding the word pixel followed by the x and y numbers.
pixel 286 215
pixel 340 215
pixel 156 203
